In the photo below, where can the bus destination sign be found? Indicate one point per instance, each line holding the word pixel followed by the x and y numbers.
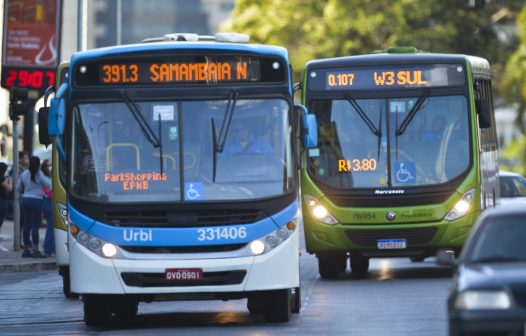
pixel 197 70
pixel 382 78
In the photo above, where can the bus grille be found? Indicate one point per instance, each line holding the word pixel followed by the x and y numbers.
pixel 181 219
pixel 182 249
pixel 375 201
pixel 158 279
pixel 369 238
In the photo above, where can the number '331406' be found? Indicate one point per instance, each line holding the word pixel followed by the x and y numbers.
pixel 222 233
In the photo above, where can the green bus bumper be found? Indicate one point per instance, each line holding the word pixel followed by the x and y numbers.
pixel 421 238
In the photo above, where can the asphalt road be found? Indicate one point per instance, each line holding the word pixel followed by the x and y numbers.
pixel 396 298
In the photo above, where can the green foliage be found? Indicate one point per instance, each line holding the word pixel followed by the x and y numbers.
pixel 513 86
pixel 513 157
pixel 312 29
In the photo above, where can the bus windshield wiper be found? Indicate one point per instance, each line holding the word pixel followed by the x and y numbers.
pixel 412 113
pixel 227 120
pixel 219 141
pixel 362 115
pixel 145 128
pixel 376 131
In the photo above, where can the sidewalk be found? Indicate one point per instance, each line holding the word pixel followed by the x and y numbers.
pixel 12 261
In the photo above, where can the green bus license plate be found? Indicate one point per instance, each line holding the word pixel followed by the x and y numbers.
pixel 183 274
pixel 391 244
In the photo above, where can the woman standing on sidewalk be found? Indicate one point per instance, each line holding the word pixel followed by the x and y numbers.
pixel 49 241
pixel 31 185
pixel 5 188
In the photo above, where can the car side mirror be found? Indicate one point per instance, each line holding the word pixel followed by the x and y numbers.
pixel 445 258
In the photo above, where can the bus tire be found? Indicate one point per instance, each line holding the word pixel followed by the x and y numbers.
pixel 330 265
pixel 417 258
pixel 359 263
pixel 278 305
pixel 295 301
pixel 256 304
pixel 126 308
pixel 96 310
pixel 66 283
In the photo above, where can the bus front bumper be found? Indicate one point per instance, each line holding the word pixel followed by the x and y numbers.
pixel 276 269
pixel 420 238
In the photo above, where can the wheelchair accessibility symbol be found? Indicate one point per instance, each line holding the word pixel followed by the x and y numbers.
pixel 193 191
pixel 405 172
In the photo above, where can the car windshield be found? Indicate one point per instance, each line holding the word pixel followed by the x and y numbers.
pixel 501 240
pixel 372 143
pixel 512 186
pixel 116 161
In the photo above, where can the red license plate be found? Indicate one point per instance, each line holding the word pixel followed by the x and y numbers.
pixel 183 274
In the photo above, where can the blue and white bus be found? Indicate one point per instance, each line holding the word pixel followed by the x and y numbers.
pixel 181 175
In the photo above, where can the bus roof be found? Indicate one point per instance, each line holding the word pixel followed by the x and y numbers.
pixel 397 58
pixel 180 45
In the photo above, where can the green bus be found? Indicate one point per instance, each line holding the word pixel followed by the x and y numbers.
pixel 406 157
pixel 59 205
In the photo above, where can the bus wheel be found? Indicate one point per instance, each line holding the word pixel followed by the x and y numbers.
pixel 330 265
pixel 359 263
pixel 295 301
pixel 278 305
pixel 256 304
pixel 126 309
pixel 417 258
pixel 66 282
pixel 96 310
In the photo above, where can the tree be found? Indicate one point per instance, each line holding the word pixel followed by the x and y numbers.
pixel 513 88
pixel 312 29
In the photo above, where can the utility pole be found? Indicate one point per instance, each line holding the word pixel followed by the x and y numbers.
pixel 18 105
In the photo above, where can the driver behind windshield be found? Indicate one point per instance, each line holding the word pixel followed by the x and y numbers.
pixel 242 141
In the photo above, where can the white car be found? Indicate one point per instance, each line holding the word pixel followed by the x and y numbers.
pixel 512 188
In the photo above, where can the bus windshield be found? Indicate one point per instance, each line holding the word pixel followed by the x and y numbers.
pixel 115 159
pixel 430 147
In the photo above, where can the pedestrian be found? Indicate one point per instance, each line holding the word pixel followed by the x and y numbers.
pixel 31 185
pixel 49 241
pixel 5 187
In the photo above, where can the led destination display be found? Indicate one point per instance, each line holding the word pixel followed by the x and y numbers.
pixel 180 71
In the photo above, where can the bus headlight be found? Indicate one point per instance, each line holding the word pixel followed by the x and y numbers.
pixel 257 247
pixel 319 212
pixel 109 250
pixel 483 299
pixel 462 207
pixel 272 240
pixel 94 244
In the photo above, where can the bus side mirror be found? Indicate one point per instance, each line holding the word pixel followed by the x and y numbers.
pixel 57 119
pixel 57 113
pixel 445 258
pixel 43 135
pixel 309 129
